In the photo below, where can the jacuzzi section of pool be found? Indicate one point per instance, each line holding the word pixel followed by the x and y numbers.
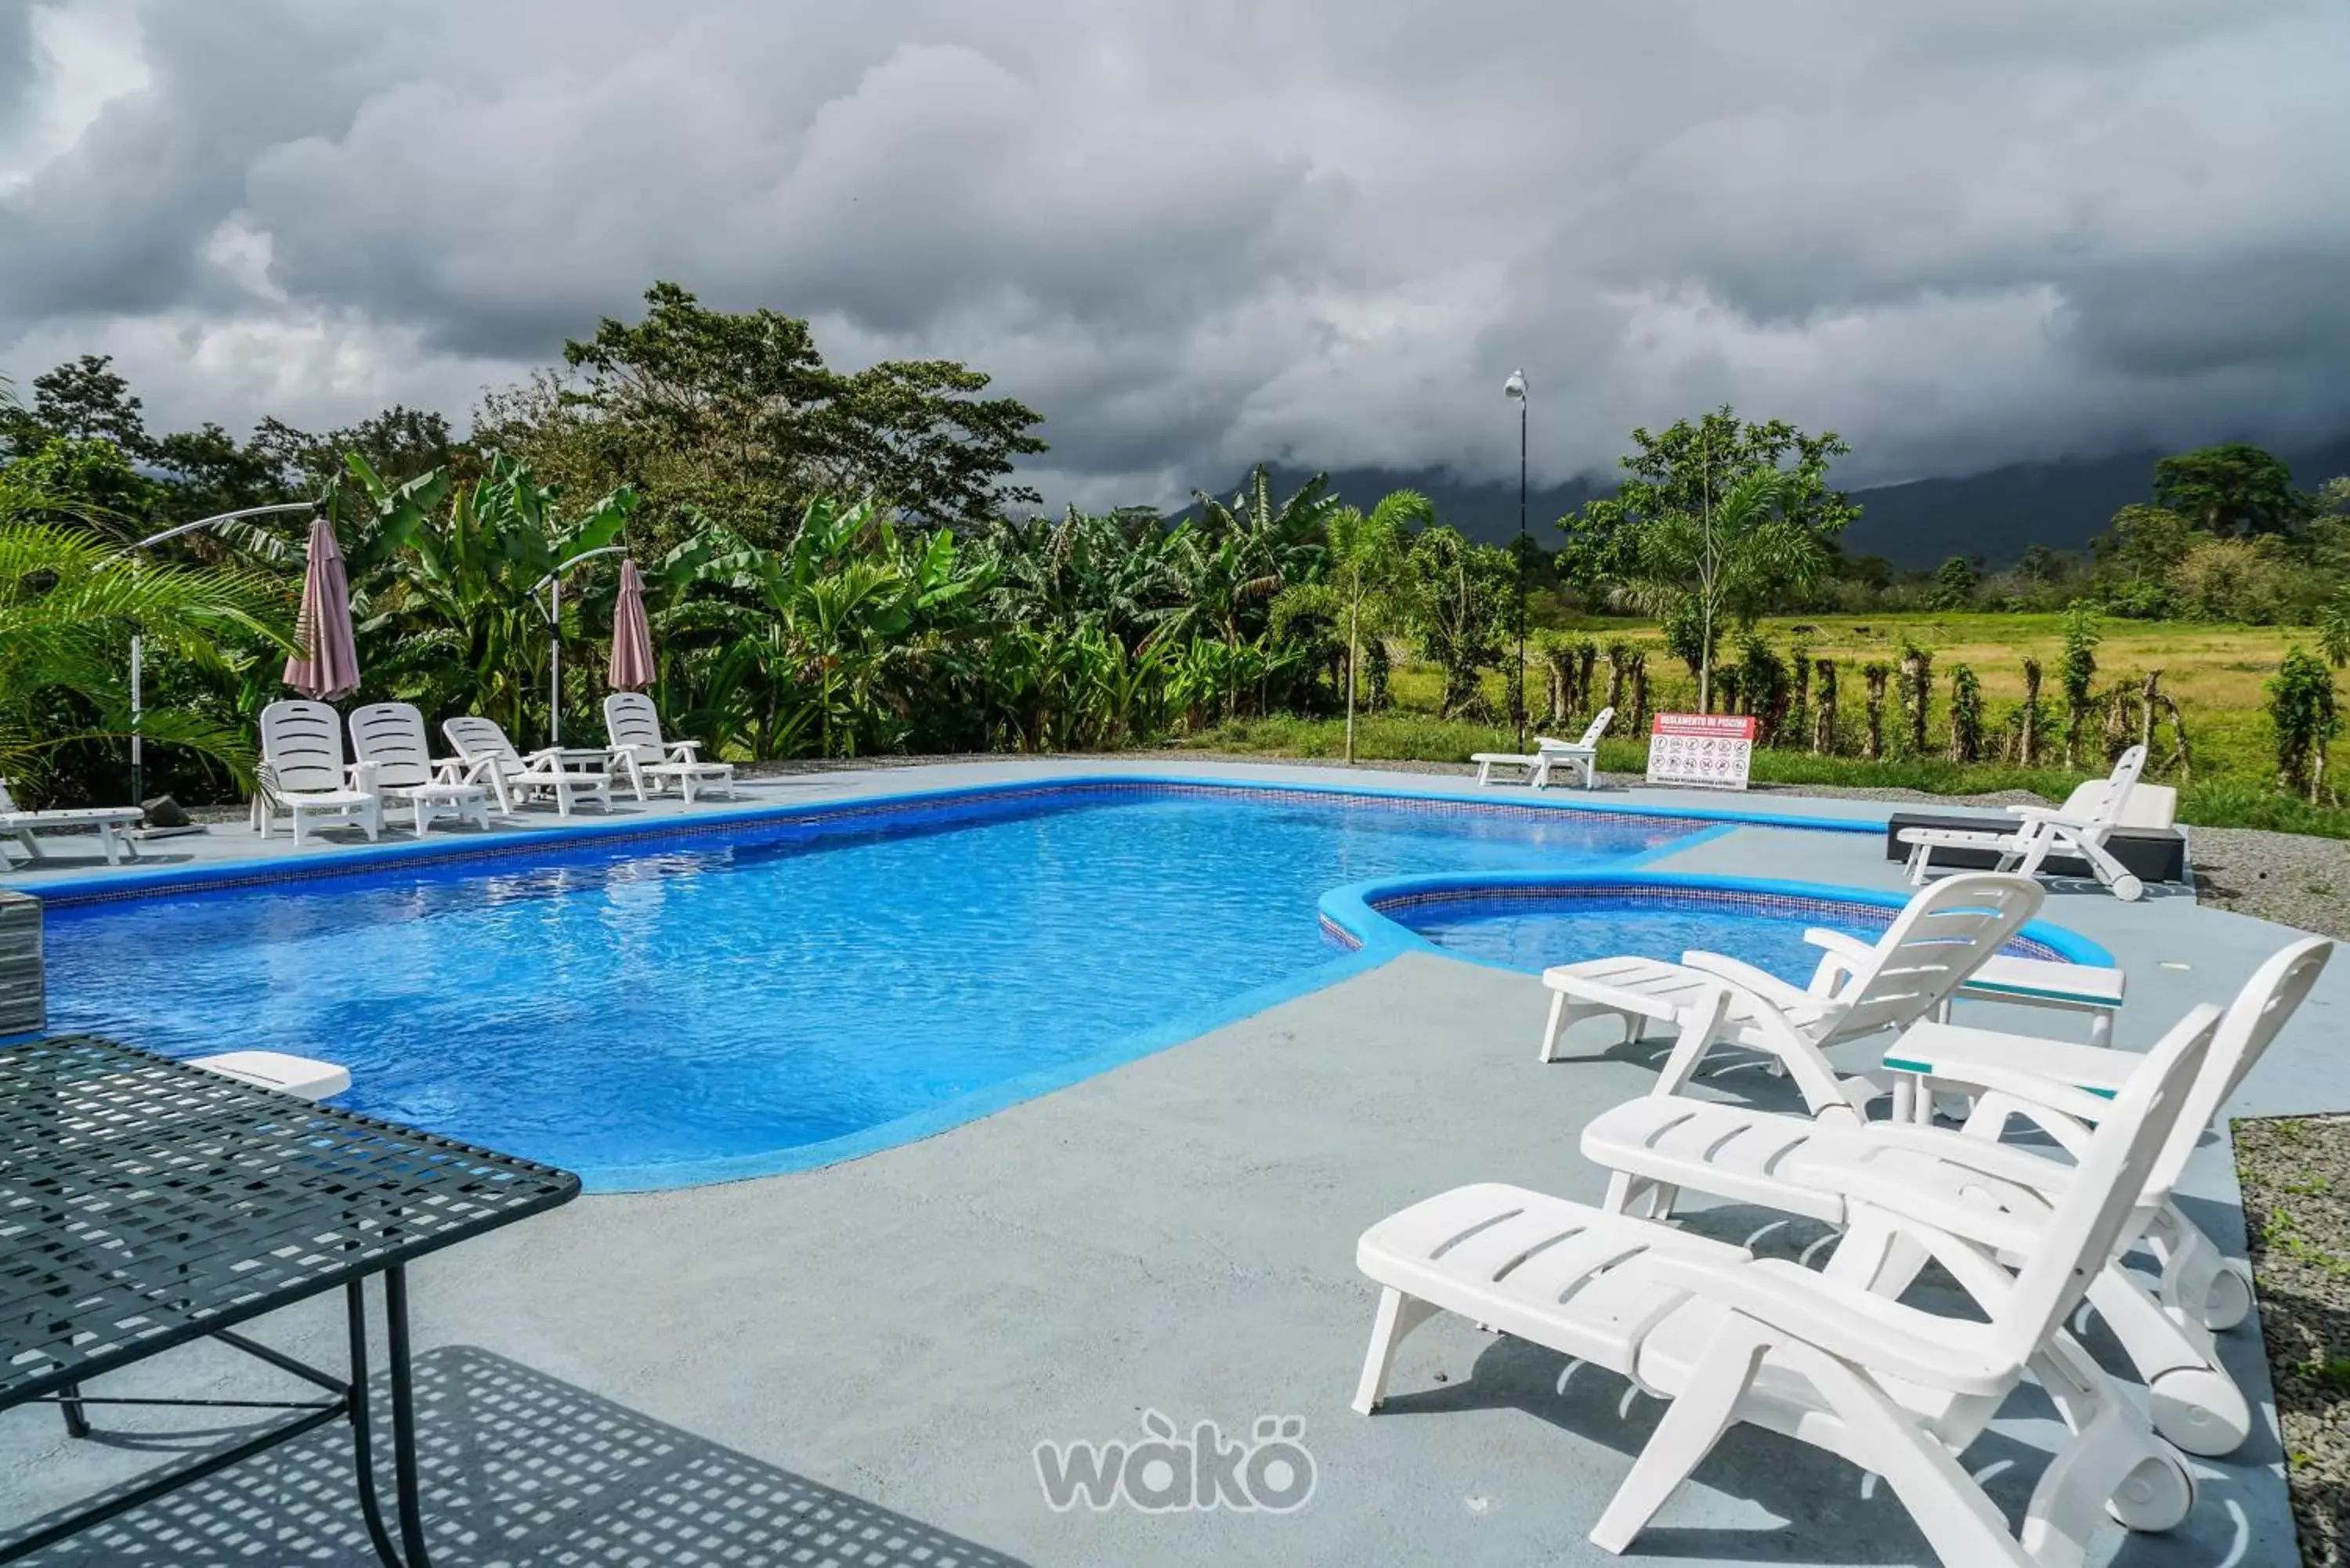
pixel 762 999
pixel 1533 927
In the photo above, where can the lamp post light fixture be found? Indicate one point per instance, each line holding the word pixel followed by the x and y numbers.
pixel 1516 389
pixel 553 584
pixel 138 754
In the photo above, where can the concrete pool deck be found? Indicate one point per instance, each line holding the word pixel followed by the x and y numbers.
pixel 858 1362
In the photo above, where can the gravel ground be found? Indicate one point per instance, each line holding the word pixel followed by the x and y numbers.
pixel 2296 1178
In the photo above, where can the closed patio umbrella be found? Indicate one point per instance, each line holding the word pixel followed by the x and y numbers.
pixel 632 639
pixel 325 661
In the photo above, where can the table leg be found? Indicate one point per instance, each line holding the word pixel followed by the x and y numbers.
pixel 407 1492
pixel 362 1437
pixel 77 1417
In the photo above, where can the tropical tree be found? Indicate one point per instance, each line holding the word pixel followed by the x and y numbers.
pixel 1367 588
pixel 1459 597
pixel 68 606
pixel 1732 558
pixel 448 604
pixel 2231 489
pixel 1686 469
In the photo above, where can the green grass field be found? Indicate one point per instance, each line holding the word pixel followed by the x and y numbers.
pixel 2216 674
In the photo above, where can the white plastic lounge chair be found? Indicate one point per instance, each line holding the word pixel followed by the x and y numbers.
pixel 491 759
pixel 1941 937
pixel 633 726
pixel 1824 1358
pixel 1550 756
pixel 389 736
pixel 1658 1146
pixel 2064 830
pixel 2024 982
pixel 303 775
pixel 24 828
pixel 299 1076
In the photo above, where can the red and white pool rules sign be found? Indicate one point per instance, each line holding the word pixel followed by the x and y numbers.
pixel 1712 750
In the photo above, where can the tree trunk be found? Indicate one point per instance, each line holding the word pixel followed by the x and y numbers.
pixel 2147 697
pixel 1639 693
pixel 1824 722
pixel 1354 658
pixel 1918 680
pixel 1616 671
pixel 1872 741
pixel 2028 743
pixel 2180 762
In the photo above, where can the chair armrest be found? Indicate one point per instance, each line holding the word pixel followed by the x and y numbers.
pixel 684 750
pixel 1841 961
pixel 545 752
pixel 363 776
pixel 1847 1323
pixel 1920 1207
pixel 1746 977
pixel 2002 1161
pixel 2031 1089
pixel 2049 817
pixel 1839 943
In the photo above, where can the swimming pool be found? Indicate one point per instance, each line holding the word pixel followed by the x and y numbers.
pixel 683 1009
pixel 1530 923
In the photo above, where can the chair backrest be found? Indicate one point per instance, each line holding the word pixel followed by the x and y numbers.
pixel 302 742
pixel 391 735
pixel 2089 1222
pixel 1598 727
pixel 2118 785
pixel 2262 1008
pixel 1941 936
pixel 631 721
pixel 477 738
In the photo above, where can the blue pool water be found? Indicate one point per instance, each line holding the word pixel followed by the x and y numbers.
pixel 1532 935
pixel 735 1002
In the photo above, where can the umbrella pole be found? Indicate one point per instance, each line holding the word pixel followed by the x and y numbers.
pixel 555 662
pixel 138 769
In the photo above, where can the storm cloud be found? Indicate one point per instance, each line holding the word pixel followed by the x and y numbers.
pixel 1195 234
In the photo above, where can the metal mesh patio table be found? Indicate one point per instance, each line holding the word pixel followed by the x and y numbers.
pixel 145 1203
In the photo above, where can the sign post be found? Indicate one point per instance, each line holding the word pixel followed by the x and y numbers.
pixel 1712 751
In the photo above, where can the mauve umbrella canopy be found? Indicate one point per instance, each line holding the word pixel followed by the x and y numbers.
pixel 325 662
pixel 632 639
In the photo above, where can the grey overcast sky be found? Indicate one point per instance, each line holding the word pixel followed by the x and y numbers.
pixel 1194 233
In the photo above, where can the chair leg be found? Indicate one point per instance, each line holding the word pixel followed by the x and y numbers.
pixel 1551 1030
pixel 1398 1314
pixel 2194 1403
pixel 1697 1036
pixel 110 844
pixel 1693 1422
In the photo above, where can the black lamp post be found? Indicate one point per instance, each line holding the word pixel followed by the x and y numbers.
pixel 1515 388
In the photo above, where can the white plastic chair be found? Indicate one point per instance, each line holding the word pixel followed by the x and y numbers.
pixel 633 726
pixel 2044 830
pixel 1658 1146
pixel 1944 934
pixel 1550 755
pixel 390 737
pixel 107 820
pixel 1581 756
pixel 491 759
pixel 303 775
pixel 1827 1358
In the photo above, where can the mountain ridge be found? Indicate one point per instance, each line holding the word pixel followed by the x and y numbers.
pixel 1993 513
